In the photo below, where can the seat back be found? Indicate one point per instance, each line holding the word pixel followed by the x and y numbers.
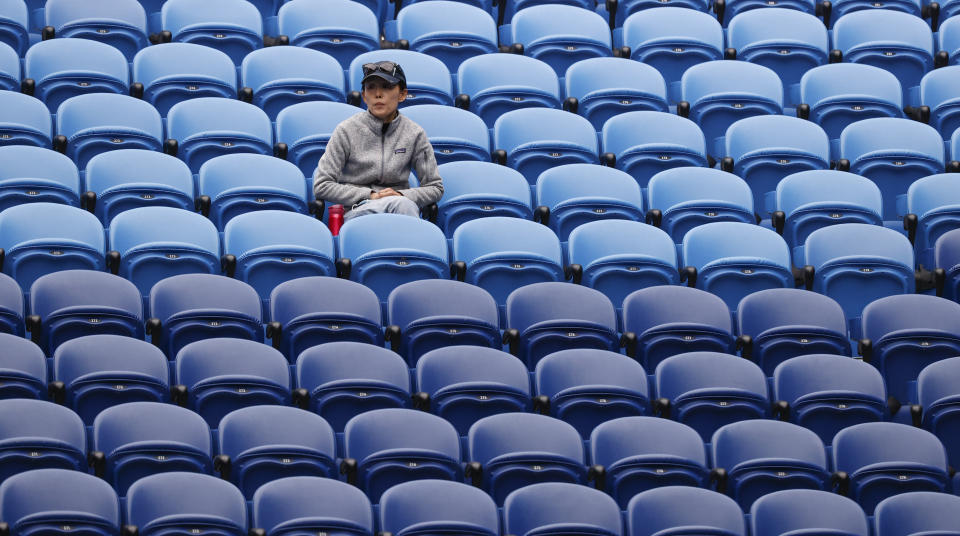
pixel 451 32
pixel 561 35
pixel 178 501
pixel 54 432
pixel 917 512
pixel 478 190
pixel 24 120
pixel 645 143
pixel 174 72
pixel 687 198
pixel 207 127
pixel 131 178
pixel 234 27
pixel 537 139
pixel 64 68
pixel 13 28
pixel 9 67
pixel 33 174
pixel 100 122
pixel 45 500
pixel 455 134
pixel 801 510
pixel 498 83
pixel 935 202
pixel 11 306
pixel 842 93
pixel 560 506
pixel 340 28
pixel 678 509
pixel 294 501
pixel 283 76
pixel 24 369
pixel 605 88
pixel 121 24
pixel 935 93
pixel 579 193
pixel 436 505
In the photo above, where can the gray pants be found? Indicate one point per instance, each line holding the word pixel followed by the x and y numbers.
pixel 394 204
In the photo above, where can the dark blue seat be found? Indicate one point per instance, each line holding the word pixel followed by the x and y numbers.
pixel 11 306
pixel 95 123
pixel 231 26
pixel 604 88
pixel 179 502
pixel 306 128
pixel 946 257
pixel 938 394
pixel 33 174
pixel 438 507
pixel 800 510
pixel 919 512
pixel 677 510
pixel 57 502
pixel 35 434
pixel 455 134
pixel 174 72
pixel 206 127
pixel 283 76
pixel 451 32
pixel 121 24
pixel 344 30
pixel 24 120
pixel 14 24
pixel 474 190
pixel 428 79
pixel 560 35
pixel 23 369
pixel 554 507
pixel 538 139
pixel 64 68
pixel 684 198
pixel 311 504
pixel 493 84
pixel 934 203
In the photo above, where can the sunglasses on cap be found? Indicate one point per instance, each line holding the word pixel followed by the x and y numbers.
pixel 386 67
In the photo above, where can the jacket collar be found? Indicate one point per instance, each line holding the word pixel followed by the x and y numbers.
pixel 376 126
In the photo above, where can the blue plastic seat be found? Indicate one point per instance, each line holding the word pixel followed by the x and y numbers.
pixel 936 94
pixel 388 446
pixel 707 390
pixel 474 190
pixel 261 444
pixel 96 123
pixel 52 432
pixel 537 139
pixel 561 507
pixel 24 120
pixel 236 184
pixel 800 511
pixel 341 28
pixel 672 40
pixel 734 259
pixel 678 510
pixel 948 38
pixel 917 513
pixel 606 87
pixel 283 76
pixel 732 8
pixel 178 502
pixel 510 8
pixel 208 127
pixel 231 26
pixel 41 238
pixel 573 194
pixel 387 250
pixel 64 68
pixel 436 313
pixel 451 32
pixel 340 380
pixel 645 143
pixel 14 24
pixel 306 128
pixel 11 306
pixel 814 199
pixel 311 504
pixel 59 502
pixel 23 369
pixel 493 84
pixel 455 134
pixel 933 203
pixel 684 198
pixel 9 67
pixel 883 459
pixel 512 450
pixel 856 263
pixel 175 72
pixel 126 179
pixel 869 37
pixel 428 79
pixel 946 256
pixel 642 453
pixel 912 7
pixel 437 506
pixel 893 153
pixel 154 243
pixel 121 24
pixel 560 35
pixel 938 394
pixel 33 174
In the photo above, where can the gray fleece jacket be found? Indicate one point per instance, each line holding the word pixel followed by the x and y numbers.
pixel 365 154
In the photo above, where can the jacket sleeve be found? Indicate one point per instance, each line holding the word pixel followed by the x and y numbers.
pixel 425 165
pixel 326 178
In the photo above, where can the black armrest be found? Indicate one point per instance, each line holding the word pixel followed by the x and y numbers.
pixel 222 465
pixel 275 333
pixel 573 272
pixel 511 337
pixel 865 349
pixel 745 346
pixel 228 265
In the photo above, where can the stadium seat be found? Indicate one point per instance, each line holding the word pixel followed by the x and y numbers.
pixel 586 387
pixel 843 7
pixel 56 501
pixel 573 194
pixel 179 502
pixel 340 380
pixel 474 190
pixel 74 303
pixel 24 120
pixel 311 504
pixel 121 24
pixel 932 210
pixel 170 73
pixel 946 256
pixel 463 384
pixel 672 40
pixel 149 244
pixel 437 506
pixel 428 79
pixel 305 129
pixel 207 127
pixel 948 38
pixel 856 263
pixel 762 150
pixel 23 369
pixel 642 453
pixel 191 307
pixel 493 84
pixel 882 459
pixel 53 433
pixel 799 511
pixel 387 250
pixel 41 238
pixel 341 28
pixel 561 507
pixel 88 125
pixel 282 76
pixel 937 391
pixel 917 513
pixel 892 153
pixel 510 8
pixel 706 390
pixel 560 35
pixel 231 26
pixel 451 32
pixel 33 174
pixel 734 259
pixel 602 88
pixel 763 456
pixel 265 443
pixel 898 42
pixel 9 67
pixel 684 198
pixel 646 143
pixel 436 313
pixel 771 331
pixel 683 509
pixel 814 199
pixel 455 134
pixel 14 25
pixel 936 94
pixel 512 450
pixel 389 446
pixel 788 41
pixel 11 306
pixel 58 69
pixel 532 141
pixel 308 311
pixel 236 184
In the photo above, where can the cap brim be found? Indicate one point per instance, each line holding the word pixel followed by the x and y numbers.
pixel 392 80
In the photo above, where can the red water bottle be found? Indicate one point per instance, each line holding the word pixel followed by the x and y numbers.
pixel 335 219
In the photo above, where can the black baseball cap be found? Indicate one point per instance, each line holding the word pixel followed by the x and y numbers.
pixel 388 71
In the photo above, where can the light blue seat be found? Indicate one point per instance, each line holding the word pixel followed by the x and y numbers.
pixel 31 174
pixel 937 393
pixel 800 510
pixel 121 24
pixel 231 26
pixel 175 72
pixel 99 122
pixel 9 68
pixel 11 306
pixel 47 500
pixel 917 513
pixel 490 85
pixel 474 190
pixel 178 502
pixel 451 32
pixel 340 28
pixel 24 120
pixel 207 127
pixel 843 7
pixel 934 202
pixel 305 129
pixel 538 139
pixel 14 24
pixel 948 38
pixel 626 8
pixel 936 92
pixel 732 8
pixel 683 509
pixel 64 68
pixel 561 507
pixel 560 35
pixel 24 368
pixel 428 79
pixel 455 134
pixel 312 504
pixel 606 87
pixel 946 256
pixel 282 76
pixel 681 199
